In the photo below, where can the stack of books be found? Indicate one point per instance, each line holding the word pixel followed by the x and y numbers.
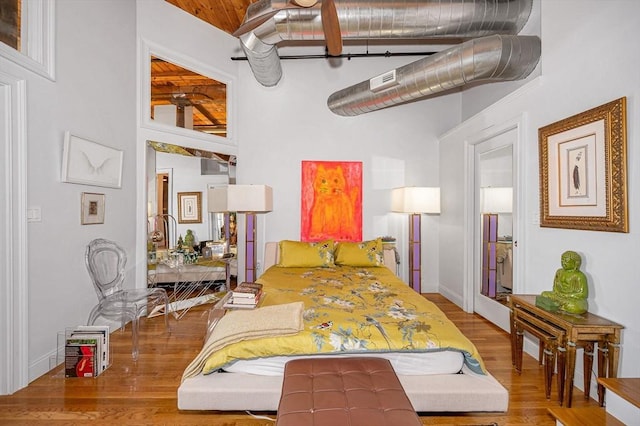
pixel 246 295
pixel 86 351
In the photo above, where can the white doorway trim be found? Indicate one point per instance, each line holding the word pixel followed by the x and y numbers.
pixel 14 305
pixel 471 244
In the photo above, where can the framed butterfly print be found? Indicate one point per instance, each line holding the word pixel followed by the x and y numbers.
pixel 90 163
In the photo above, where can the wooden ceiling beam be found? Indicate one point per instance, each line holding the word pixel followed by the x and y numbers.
pixel 226 15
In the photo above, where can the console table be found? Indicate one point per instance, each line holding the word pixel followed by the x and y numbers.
pixel 189 281
pixel 560 335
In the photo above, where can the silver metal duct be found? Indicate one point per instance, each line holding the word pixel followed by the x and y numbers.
pixel 263 59
pixel 493 58
pixel 376 19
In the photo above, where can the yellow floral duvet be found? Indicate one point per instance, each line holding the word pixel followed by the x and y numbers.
pixel 350 310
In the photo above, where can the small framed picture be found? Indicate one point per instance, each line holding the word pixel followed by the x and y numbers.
pixel 92 212
pixel 189 207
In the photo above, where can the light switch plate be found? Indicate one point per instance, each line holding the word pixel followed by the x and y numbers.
pixel 34 214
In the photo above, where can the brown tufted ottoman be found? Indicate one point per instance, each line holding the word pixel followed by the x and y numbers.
pixel 343 392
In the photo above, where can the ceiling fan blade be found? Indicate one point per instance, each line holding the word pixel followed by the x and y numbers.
pixel 304 3
pixel 331 27
pixel 254 23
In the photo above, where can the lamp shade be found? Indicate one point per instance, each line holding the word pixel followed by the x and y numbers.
pixel 249 198
pixel 217 199
pixel 414 199
pixel 496 200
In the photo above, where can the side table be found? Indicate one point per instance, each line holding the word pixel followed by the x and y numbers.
pixel 561 334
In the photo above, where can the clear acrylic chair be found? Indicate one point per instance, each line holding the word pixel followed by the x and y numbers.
pixel 105 261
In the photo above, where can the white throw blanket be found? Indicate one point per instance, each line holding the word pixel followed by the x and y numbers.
pixel 235 326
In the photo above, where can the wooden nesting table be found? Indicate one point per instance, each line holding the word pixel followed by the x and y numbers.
pixel 560 335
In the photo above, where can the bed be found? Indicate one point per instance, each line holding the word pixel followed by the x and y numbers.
pixel 348 309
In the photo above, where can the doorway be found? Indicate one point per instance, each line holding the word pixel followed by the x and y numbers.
pixel 162 235
pixel 14 289
pixel 162 186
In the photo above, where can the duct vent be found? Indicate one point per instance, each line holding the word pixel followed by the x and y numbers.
pixel 383 81
pixel 210 166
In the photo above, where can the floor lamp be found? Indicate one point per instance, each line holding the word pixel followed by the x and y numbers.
pixel 250 199
pixel 415 201
pixel 217 203
pixel 494 200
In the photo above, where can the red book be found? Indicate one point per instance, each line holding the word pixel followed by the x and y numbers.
pixel 80 358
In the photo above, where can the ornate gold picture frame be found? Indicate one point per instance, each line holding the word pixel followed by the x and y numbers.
pixel 583 170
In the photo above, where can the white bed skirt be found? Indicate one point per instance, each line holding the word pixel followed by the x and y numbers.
pixel 403 363
pixel 467 392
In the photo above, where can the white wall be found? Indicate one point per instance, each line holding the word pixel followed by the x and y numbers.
pixel 594 62
pixel 285 125
pixel 281 126
pixel 94 97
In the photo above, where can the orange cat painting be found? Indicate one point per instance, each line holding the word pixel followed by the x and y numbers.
pixel 331 201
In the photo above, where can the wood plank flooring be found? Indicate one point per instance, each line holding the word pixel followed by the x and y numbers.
pixel 144 392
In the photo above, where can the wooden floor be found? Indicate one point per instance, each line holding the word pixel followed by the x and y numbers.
pixel 144 392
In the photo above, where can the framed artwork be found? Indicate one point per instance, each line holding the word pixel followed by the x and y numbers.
pixel 89 163
pixel 189 207
pixel 331 205
pixel 583 170
pixel 92 208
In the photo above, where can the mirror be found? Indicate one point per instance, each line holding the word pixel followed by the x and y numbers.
pixel 175 170
pixel 187 99
pixel 184 240
pixel 496 221
pixel 27 35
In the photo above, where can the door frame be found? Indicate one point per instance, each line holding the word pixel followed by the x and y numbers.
pixel 499 315
pixel 14 290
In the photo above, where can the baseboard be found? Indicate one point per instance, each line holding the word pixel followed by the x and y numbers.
pixel 451 296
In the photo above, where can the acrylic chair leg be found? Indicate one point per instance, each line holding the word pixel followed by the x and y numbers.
pixel 134 338
pixel 165 300
pixel 123 320
pixel 93 316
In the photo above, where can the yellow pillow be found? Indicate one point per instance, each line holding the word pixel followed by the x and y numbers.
pixel 296 254
pixel 365 253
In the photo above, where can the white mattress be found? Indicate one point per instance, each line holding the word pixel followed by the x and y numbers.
pixel 408 363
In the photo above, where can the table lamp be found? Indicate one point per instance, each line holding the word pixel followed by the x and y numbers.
pixel 493 200
pixel 415 201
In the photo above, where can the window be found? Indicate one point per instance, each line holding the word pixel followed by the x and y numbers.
pixel 187 99
pixel 27 34
pixel 184 97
